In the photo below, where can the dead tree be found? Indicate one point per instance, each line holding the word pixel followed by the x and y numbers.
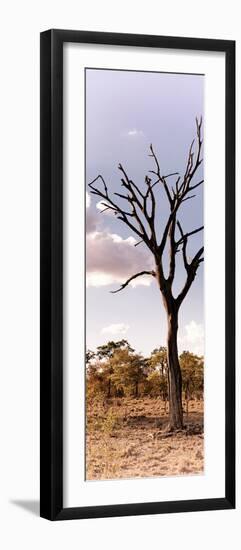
pixel 141 215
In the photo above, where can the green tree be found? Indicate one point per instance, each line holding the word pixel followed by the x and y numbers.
pixel 192 375
pixel 105 354
pixel 157 379
pixel 89 356
pixel 94 376
pixel 127 371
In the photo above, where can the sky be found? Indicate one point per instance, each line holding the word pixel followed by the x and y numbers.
pixel 126 111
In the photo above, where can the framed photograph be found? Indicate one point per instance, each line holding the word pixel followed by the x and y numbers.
pixel 137 274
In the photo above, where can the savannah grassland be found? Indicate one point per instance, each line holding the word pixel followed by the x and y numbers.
pixel 127 438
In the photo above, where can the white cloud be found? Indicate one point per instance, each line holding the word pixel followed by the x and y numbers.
pixel 135 132
pixel 192 339
pixel 110 259
pixel 92 219
pixel 101 205
pixel 116 328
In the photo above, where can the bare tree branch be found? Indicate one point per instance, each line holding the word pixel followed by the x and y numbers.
pixel 172 250
pixel 158 174
pixel 188 198
pixel 131 279
pixel 184 246
pixel 151 218
pixel 186 235
pixel 196 185
pixel 183 189
pixel 106 208
pixel 131 185
pixel 136 200
pixel 123 215
pixel 139 242
pixel 169 175
pixel 192 166
pixel 192 270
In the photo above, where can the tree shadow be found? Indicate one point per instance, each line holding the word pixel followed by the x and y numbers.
pixel 31 506
pixel 143 421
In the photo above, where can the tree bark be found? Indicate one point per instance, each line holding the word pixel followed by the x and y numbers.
pixel 175 376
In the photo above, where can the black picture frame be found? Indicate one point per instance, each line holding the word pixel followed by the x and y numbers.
pixel 51 325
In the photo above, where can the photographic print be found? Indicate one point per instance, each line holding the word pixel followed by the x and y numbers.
pixel 137 378
pixel 145 356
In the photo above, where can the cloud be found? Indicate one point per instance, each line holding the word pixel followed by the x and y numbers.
pixel 101 205
pixel 110 259
pixel 192 339
pixel 116 328
pixel 135 132
pixel 92 220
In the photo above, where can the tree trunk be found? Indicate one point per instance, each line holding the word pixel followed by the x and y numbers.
pixel 175 376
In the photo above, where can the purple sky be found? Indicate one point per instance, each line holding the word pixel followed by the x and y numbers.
pixel 125 112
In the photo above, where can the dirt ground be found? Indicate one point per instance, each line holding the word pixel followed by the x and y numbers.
pixel 128 438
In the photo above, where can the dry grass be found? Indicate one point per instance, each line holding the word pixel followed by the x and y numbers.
pixel 126 438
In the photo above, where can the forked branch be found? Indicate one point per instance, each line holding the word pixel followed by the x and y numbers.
pixel 191 274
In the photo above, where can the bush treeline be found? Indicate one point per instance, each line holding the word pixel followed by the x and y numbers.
pixel 116 370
